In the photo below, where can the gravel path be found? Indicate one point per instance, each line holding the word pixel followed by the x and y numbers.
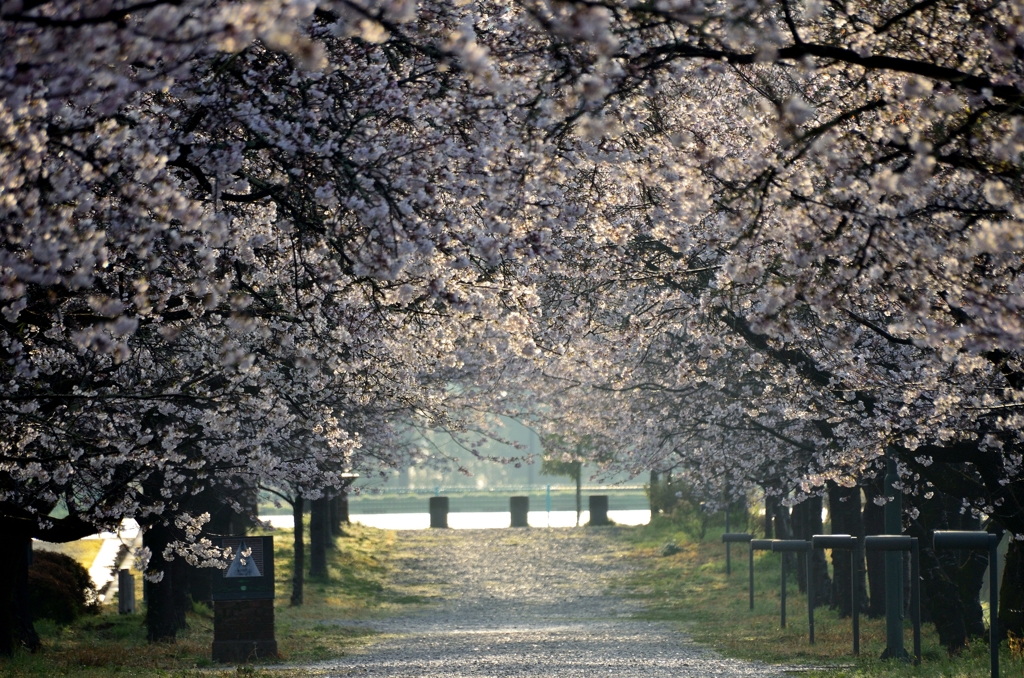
pixel 525 603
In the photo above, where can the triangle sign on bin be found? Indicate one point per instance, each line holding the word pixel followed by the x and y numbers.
pixel 243 564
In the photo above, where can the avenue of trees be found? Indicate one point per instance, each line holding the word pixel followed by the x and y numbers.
pixel 753 243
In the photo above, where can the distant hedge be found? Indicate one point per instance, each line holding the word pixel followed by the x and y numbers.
pixel 60 588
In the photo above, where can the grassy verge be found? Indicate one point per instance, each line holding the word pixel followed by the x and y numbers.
pixel 82 550
pixel 691 588
pixel 114 645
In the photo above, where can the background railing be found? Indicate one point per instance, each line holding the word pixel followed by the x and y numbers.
pixel 466 500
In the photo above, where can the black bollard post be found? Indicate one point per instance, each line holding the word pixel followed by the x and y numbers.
pixel 970 539
pixel 896 543
pixel 810 597
pixel 856 562
pixel 915 599
pixel 796 546
pixel 520 509
pixel 756 545
pixel 598 509
pixel 782 594
pixel 850 543
pixel 439 512
pixel 730 538
pixel 728 553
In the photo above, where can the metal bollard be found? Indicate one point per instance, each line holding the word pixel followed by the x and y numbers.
pixel 756 545
pixel 852 544
pixel 970 539
pixel 898 542
pixel 730 538
pixel 125 592
pixel 598 509
pixel 797 546
pixel 520 509
pixel 439 512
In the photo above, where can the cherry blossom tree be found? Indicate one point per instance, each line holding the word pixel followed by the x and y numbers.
pixel 247 244
pixel 811 252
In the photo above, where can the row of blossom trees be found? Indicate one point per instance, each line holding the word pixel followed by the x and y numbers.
pixel 803 252
pixel 764 242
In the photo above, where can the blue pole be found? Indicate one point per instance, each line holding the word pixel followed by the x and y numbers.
pixel 548 503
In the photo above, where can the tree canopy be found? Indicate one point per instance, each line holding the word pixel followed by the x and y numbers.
pixel 248 243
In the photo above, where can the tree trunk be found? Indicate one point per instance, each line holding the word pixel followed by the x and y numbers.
pixel 335 524
pixel 770 507
pixel 200 585
pixel 874 523
pixel 16 627
pixel 318 531
pixel 950 580
pixel 1011 592
pixel 801 531
pixel 784 530
pixel 654 496
pixel 819 567
pixel 298 550
pixel 181 573
pixel 25 630
pixel 844 511
pixel 161 623
pixel 343 517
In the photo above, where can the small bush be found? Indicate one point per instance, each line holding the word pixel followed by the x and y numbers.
pixel 60 589
pixel 682 503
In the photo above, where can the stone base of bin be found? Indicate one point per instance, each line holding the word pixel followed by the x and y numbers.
pixel 243 630
pixel 236 651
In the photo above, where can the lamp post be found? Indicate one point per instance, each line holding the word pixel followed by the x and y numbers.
pixel 893 566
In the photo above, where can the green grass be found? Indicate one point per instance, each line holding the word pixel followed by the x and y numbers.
pixel 358 587
pixel 691 589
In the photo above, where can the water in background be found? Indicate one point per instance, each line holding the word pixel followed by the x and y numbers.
pixel 472 508
pixel 476 520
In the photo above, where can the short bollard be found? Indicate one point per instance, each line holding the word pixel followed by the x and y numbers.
pixel 899 542
pixel 976 540
pixel 851 544
pixel 797 546
pixel 730 538
pixel 756 545
pixel 125 592
pixel 439 511
pixel 520 509
pixel 598 509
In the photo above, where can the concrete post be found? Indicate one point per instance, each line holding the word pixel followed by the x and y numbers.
pixel 598 509
pixel 439 512
pixel 125 592
pixel 520 509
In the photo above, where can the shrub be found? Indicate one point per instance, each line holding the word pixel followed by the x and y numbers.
pixel 60 588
